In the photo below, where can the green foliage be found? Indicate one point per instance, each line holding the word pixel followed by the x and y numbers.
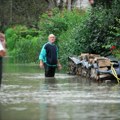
pixel 55 24
pixel 23 44
pixel 13 35
pixel 114 40
pixel 93 36
pixel 105 3
pixel 59 23
pixel 25 12
pixel 63 25
pixel 77 31
pixel 68 41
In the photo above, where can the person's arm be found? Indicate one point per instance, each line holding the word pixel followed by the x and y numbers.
pixel 59 66
pixel 41 64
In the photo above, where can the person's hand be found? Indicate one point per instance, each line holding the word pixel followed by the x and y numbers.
pixel 2 53
pixel 59 66
pixel 41 65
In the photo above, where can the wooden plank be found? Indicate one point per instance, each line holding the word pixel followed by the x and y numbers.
pixel 93 55
pixel 84 56
pixel 103 68
pixel 104 76
pixel 104 63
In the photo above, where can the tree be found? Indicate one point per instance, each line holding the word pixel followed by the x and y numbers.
pixel 60 4
pixel 21 12
pixel 106 3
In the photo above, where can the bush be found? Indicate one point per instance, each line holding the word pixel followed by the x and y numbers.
pixel 114 40
pixel 92 36
pixel 77 31
pixel 23 44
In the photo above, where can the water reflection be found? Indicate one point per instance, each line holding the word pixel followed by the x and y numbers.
pixel 51 83
pixel 47 110
pixel 0 111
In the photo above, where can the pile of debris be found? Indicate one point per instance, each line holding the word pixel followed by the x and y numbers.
pixel 96 67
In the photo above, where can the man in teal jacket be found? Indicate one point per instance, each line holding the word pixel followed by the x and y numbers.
pixel 49 57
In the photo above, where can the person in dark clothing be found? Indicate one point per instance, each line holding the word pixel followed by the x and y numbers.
pixel 2 53
pixel 0 71
pixel 49 57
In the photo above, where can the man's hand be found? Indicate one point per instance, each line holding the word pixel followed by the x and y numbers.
pixel 41 64
pixel 2 53
pixel 59 66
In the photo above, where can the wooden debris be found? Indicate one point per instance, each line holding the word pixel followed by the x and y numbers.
pixel 102 61
pixel 92 66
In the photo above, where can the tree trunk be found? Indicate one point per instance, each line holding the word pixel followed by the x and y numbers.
pixel 11 7
pixel 69 5
pixel 51 4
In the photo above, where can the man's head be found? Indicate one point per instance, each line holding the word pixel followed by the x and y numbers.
pixel 51 38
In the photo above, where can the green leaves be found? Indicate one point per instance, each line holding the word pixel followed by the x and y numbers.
pixel 23 44
pixel 77 31
pixel 94 36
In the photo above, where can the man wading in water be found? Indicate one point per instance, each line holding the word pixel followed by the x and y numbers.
pixel 49 57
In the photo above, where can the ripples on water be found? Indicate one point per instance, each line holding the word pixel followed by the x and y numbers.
pixel 58 93
pixel 28 96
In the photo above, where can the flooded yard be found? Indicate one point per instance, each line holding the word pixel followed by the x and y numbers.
pixel 26 95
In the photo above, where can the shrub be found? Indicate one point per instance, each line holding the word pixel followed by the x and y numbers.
pixel 77 31
pixel 23 44
pixel 94 35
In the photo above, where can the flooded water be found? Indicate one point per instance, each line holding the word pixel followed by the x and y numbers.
pixel 26 95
